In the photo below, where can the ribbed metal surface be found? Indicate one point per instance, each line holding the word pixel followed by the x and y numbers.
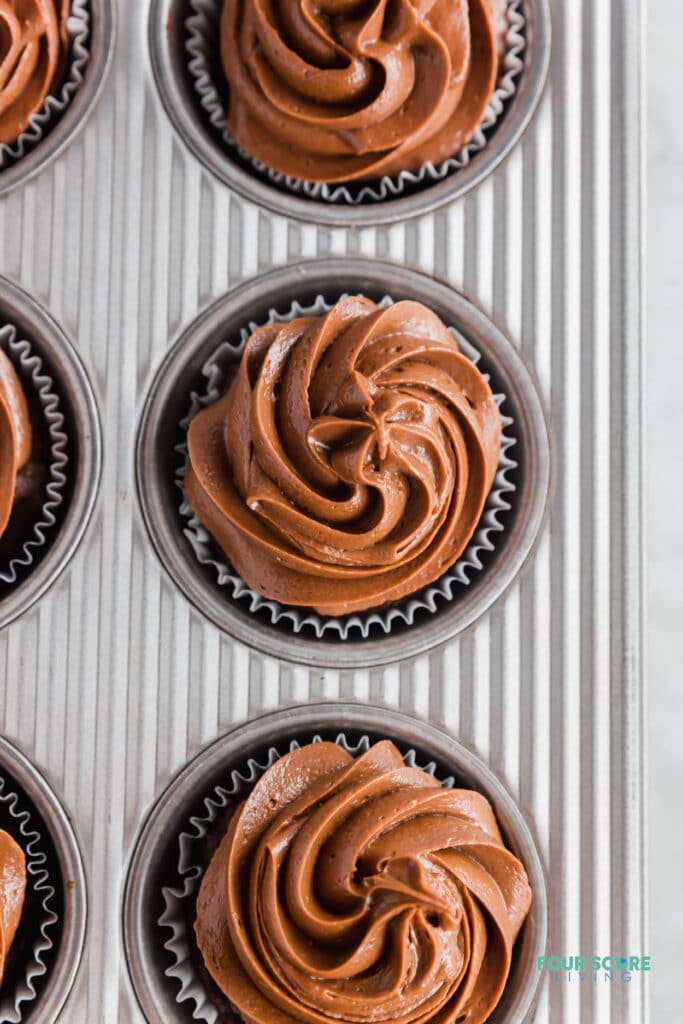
pixel 113 681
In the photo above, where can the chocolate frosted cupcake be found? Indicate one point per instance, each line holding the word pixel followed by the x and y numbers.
pixel 29 904
pixel 335 862
pixel 16 441
pixel 353 103
pixel 358 890
pixel 45 60
pixel 348 463
pixel 23 461
pixel 34 50
pixel 351 91
pixel 12 892
pixel 33 456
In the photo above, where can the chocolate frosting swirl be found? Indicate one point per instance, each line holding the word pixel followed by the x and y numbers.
pixel 34 43
pixel 344 90
pixel 12 890
pixel 15 436
pixel 360 891
pixel 348 463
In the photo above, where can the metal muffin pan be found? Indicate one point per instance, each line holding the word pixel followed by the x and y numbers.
pixel 169 61
pixel 113 681
pixel 152 862
pixel 52 820
pixel 102 31
pixel 84 445
pixel 168 401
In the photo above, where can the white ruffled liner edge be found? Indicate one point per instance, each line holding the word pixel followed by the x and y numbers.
pixel 55 104
pixel 202 32
pixel 11 1006
pixel 174 917
pixel 31 365
pixel 299 618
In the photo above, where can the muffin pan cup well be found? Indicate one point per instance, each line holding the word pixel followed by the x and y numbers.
pixel 83 449
pixel 66 875
pixel 154 862
pixel 170 58
pixel 65 111
pixel 181 373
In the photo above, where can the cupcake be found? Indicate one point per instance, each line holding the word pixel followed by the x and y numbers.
pixel 16 439
pixel 30 907
pixel 356 91
pixel 22 463
pixel 34 52
pixel 356 890
pixel 32 456
pixel 347 465
pixel 12 892
pixel 335 862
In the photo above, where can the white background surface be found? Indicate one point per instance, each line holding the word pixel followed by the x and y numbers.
pixel 664 469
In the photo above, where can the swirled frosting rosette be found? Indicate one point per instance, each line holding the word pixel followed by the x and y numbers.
pixel 340 90
pixel 348 101
pixel 34 44
pixel 360 890
pixel 348 463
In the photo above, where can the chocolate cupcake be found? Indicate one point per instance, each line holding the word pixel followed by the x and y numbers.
pixel 33 457
pixel 35 44
pixel 202 367
pixel 340 91
pixel 12 892
pixel 348 463
pixel 360 890
pixel 349 102
pixel 44 51
pixel 345 879
pixel 16 444
pixel 28 903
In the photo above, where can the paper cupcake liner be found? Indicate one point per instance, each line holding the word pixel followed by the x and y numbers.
pixel 301 620
pixel 178 900
pixel 42 930
pixel 56 103
pixel 31 371
pixel 202 31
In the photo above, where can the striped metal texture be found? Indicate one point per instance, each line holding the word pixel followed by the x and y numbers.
pixel 113 680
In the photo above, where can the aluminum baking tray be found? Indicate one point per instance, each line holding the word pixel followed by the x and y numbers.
pixel 113 680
